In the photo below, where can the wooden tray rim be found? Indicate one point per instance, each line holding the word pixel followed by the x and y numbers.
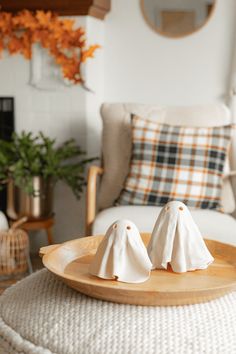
pixel 126 285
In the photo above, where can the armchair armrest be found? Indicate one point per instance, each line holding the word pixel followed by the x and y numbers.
pixel 229 175
pixel 93 173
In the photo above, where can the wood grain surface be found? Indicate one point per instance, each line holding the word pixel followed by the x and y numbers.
pixel 95 8
pixel 70 261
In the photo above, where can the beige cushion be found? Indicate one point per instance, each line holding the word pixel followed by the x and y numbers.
pixel 116 146
pixel 212 224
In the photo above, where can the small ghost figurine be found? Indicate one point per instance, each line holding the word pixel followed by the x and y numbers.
pixel 177 240
pixel 122 255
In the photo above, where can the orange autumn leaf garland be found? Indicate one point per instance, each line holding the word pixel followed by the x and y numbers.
pixel 67 45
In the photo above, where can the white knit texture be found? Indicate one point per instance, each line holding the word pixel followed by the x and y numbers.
pixel 41 315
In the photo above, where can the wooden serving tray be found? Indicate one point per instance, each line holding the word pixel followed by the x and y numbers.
pixel 70 262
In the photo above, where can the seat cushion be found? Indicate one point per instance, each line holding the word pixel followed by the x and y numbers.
pixel 116 141
pixel 212 224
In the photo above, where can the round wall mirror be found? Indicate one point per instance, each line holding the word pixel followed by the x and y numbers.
pixel 177 18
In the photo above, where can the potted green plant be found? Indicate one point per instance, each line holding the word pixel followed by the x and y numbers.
pixel 31 165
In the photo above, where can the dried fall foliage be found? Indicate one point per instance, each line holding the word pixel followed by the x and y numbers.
pixel 18 32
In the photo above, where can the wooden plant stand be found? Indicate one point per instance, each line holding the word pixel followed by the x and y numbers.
pixel 43 224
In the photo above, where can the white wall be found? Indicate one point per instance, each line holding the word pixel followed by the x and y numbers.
pixel 61 114
pixel 142 66
pixel 135 64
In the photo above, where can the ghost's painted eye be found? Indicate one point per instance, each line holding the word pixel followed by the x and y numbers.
pixel 128 228
pixel 181 208
pixel 115 226
pixel 167 208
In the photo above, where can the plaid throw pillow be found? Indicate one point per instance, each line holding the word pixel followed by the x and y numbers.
pixel 175 163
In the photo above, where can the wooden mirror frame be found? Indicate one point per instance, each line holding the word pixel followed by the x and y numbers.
pixel 165 34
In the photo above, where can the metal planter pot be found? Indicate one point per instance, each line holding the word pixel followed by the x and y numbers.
pixel 35 207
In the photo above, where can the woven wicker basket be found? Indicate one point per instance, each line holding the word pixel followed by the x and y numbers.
pixel 14 250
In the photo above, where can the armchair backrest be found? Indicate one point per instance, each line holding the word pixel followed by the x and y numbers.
pixel 116 140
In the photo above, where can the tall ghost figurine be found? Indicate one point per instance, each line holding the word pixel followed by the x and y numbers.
pixel 177 240
pixel 122 255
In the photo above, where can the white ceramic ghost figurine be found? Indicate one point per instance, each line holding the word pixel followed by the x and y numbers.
pixel 122 255
pixel 177 240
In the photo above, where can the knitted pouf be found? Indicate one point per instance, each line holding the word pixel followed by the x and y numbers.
pixel 42 315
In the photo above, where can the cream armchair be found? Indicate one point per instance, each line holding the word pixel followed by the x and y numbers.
pixel 105 183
